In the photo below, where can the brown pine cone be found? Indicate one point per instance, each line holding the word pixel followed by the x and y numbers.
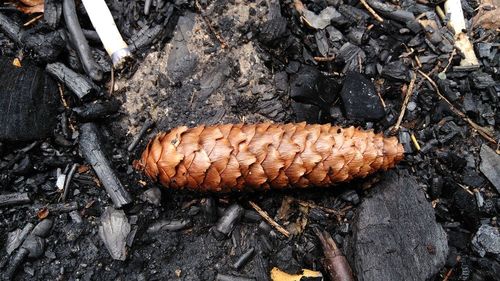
pixel 235 157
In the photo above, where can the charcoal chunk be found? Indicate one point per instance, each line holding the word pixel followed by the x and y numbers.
pixel 272 30
pixel 28 102
pixel 396 70
pixel 490 165
pixel 481 80
pixel 352 56
pixel 397 217
pixel 360 99
pixel 310 86
pixel 486 240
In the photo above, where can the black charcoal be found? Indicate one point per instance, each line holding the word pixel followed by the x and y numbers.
pixel 490 165
pixel 232 215
pixel 359 98
pixel 380 216
pixel 486 240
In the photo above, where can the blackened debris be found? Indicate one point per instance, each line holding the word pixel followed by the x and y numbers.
pixel 28 96
pixel 359 98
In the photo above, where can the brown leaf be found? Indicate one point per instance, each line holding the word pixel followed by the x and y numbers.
pixel 29 6
pixel 487 19
pixel 42 213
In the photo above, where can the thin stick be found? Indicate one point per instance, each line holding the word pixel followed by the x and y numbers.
pixel 79 41
pixel 449 60
pixel 33 20
pixel 482 131
pixel 112 82
pixel 371 11
pixel 409 93
pixel 415 142
pixel 324 59
pixel 269 220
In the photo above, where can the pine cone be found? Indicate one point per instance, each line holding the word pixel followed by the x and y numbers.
pixel 236 157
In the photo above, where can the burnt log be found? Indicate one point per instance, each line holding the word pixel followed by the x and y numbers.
pixel 91 148
pixel 395 234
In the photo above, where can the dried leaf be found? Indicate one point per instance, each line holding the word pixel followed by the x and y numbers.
pixel 279 275
pixel 83 169
pixel 42 213
pixel 29 6
pixel 487 19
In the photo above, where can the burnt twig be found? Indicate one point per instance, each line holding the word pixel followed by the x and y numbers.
pixel 243 259
pixel 68 181
pixel 77 83
pixel 227 222
pixel 141 133
pixel 97 110
pixel 80 43
pixel 91 149
pixel 14 199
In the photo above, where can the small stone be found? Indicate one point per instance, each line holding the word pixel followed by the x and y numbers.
pixel 411 106
pixel 486 240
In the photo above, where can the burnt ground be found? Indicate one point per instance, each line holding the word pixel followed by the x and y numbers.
pixel 249 61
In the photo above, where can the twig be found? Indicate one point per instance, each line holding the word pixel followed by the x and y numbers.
pixel 324 59
pixel 371 11
pixel 33 20
pixel 79 41
pixel 449 60
pixel 482 131
pixel 269 220
pixel 415 142
pixel 112 82
pixel 209 24
pixel 68 181
pixel 91 149
pixel 141 133
pixel 409 93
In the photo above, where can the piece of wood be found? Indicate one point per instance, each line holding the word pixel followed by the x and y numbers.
pixel 91 148
pixel 79 42
pixel 80 85
pixel 395 234
pixel 14 199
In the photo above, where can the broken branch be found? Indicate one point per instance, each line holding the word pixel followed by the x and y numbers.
pixel 91 149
